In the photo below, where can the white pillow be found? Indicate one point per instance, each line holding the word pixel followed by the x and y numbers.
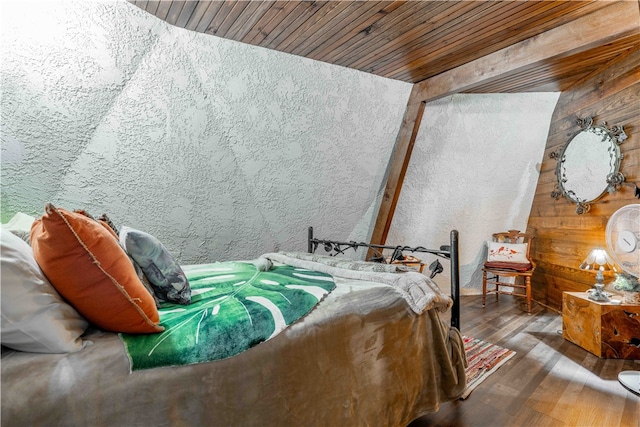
pixel 34 316
pixel 507 252
pixel 20 225
pixel 19 222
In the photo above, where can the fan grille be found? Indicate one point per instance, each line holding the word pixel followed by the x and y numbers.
pixel 623 238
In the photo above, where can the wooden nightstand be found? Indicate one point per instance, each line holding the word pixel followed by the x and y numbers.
pixel 602 328
pixel 411 262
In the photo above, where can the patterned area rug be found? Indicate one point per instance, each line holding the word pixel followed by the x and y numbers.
pixel 483 359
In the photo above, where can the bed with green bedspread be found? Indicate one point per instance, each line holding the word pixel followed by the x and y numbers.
pixel 367 352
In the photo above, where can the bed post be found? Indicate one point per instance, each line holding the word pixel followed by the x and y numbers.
pixel 309 239
pixel 455 280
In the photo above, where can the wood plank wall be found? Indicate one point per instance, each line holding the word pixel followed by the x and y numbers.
pixel 563 238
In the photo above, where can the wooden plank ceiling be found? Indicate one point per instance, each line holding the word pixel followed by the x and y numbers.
pixel 410 41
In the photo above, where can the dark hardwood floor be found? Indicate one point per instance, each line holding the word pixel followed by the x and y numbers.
pixel 550 381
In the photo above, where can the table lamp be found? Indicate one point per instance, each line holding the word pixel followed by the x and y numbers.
pixel 599 261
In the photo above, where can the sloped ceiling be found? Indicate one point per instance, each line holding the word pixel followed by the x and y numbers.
pixel 413 41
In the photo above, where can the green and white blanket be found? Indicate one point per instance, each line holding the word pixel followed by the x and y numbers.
pixel 234 307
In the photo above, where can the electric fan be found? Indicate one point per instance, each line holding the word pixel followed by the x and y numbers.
pixel 623 241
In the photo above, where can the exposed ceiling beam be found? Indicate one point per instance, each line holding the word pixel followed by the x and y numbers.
pixel 619 20
pixel 398 167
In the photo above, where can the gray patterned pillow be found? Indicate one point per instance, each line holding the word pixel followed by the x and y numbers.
pixel 167 280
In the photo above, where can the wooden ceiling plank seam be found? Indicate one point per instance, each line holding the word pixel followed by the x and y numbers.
pixel 590 99
pixel 578 64
pixel 363 27
pixel 208 16
pixel 614 21
pixel 196 16
pixel 551 83
pixel 514 78
pixel 438 35
pixel 360 22
pixel 519 88
pixel 478 42
pixel 186 13
pixel 612 80
pixel 231 17
pixel 440 24
pixel 285 40
pixel 542 24
pixel 323 33
pixel 271 13
pixel 610 75
pixel 603 65
pixel 174 11
pixel 573 74
pixel 525 11
pixel 163 9
pixel 152 6
pixel 381 33
pixel 559 84
pixel 470 42
pixel 350 19
pixel 578 95
pixel 439 60
pixel 291 22
pixel 318 29
pixel 390 29
pixel 373 36
pixel 222 13
pixel 142 4
pixel 249 17
pixel 594 56
pixel 304 30
pixel 276 25
pixel 522 82
pixel 335 28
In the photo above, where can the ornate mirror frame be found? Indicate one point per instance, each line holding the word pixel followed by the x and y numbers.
pixel 589 164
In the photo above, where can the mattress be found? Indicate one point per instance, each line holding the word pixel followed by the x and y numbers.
pixel 363 356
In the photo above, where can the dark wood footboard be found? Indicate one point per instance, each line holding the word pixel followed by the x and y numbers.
pixel 450 252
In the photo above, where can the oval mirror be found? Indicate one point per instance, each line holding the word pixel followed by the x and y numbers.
pixel 589 164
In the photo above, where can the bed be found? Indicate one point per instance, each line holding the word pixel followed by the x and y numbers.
pixel 364 355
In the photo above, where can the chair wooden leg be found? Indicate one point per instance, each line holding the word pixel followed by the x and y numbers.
pixel 484 288
pixel 497 287
pixel 528 291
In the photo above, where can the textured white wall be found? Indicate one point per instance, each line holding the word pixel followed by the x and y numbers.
pixel 221 150
pixel 474 168
pixel 225 151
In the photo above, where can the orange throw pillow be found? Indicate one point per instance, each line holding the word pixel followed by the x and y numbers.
pixel 87 266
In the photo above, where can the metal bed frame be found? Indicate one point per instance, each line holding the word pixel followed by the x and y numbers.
pixel 449 252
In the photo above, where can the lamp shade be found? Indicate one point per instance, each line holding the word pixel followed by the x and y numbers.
pixel 599 260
